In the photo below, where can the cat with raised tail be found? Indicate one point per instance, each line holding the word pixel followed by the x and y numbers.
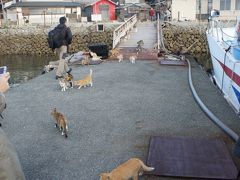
pixel 60 121
pixel 132 59
pixel 87 80
pixel 130 169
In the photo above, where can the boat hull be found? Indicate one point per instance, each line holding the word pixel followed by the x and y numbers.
pixel 226 70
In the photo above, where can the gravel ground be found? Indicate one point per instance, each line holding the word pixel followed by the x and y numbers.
pixel 111 121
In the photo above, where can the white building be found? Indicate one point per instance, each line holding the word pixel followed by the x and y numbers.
pixel 41 12
pixel 200 9
pixel 183 10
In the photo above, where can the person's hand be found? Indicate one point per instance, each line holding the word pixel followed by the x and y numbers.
pixel 4 86
pixel 69 46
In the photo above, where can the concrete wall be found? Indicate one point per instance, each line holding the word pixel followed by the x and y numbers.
pixel 190 38
pixel 16 41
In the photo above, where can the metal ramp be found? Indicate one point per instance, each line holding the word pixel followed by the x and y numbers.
pixel 127 36
pixel 144 54
pixel 145 31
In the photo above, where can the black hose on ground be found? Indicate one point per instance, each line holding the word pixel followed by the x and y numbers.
pixel 222 126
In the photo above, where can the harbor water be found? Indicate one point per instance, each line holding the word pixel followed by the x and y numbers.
pixel 24 67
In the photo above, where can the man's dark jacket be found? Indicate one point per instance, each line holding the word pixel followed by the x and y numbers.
pixel 66 35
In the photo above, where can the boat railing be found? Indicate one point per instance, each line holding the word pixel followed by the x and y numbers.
pixel 122 30
pixel 216 29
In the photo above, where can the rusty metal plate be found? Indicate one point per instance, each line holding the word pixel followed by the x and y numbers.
pixel 189 157
pixel 144 54
pixel 173 62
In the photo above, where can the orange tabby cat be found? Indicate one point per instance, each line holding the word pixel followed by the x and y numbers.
pixel 61 121
pixel 87 80
pixel 130 169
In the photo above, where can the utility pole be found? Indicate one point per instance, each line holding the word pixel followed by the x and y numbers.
pixel 2 9
pixel 44 18
pixel 200 9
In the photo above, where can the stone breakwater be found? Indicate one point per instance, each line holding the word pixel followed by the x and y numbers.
pixel 34 40
pixel 185 38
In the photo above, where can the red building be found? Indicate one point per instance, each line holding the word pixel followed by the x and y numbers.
pixel 104 7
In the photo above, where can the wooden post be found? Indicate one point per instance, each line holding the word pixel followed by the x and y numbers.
pixel 200 13
pixel 44 18
pixel 17 19
pixel 3 12
pixel 158 33
pixel 51 18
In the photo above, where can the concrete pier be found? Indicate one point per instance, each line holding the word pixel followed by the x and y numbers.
pixel 111 121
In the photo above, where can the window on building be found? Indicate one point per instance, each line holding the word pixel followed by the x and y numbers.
pixel 100 27
pixel 225 4
pixel 237 5
pixel 56 10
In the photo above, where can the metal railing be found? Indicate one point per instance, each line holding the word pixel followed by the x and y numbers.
pixel 158 32
pixel 160 41
pixel 122 30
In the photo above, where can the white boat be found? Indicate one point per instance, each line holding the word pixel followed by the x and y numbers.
pixel 225 55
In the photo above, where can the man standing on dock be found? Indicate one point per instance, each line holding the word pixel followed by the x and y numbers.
pixel 151 14
pixel 60 38
pixel 65 38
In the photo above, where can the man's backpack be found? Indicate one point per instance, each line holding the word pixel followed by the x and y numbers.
pixel 56 37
